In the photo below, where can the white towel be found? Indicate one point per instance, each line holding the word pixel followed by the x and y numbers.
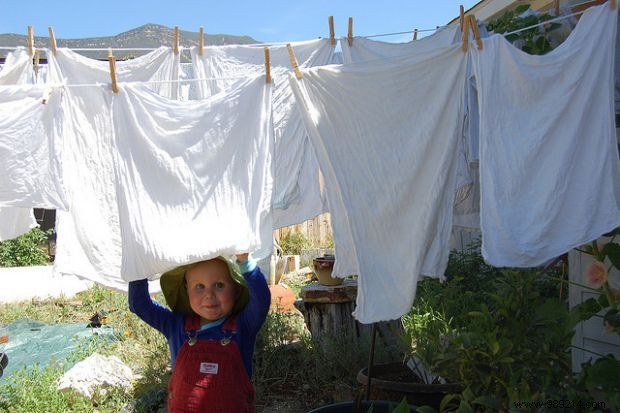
pixel 194 178
pixel 297 195
pixel 549 170
pixel 389 163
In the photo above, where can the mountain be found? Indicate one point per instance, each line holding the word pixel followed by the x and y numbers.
pixel 147 36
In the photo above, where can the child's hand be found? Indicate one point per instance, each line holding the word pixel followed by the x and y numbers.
pixel 242 258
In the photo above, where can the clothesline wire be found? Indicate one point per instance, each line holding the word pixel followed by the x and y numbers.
pixel 360 62
pixel 144 49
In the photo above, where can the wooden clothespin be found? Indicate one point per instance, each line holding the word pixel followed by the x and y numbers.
pixel 201 41
pixel 465 35
pixel 112 61
pixel 415 34
pixel 332 35
pixel 350 32
pixel 37 58
pixel 556 6
pixel 176 40
pixel 474 26
pixel 291 55
pixel 461 17
pixel 613 4
pixel 267 66
pixel 52 40
pixel 31 41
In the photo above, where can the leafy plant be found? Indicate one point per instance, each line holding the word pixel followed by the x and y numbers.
pixel 532 41
pixel 26 250
pixel 292 244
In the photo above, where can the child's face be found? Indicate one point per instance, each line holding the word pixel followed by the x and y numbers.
pixel 212 293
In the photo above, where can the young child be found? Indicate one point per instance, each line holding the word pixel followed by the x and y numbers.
pixel 211 330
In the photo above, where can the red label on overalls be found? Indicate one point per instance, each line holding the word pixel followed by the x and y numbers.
pixel 208 368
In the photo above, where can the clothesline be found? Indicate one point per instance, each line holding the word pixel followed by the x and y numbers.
pixel 146 49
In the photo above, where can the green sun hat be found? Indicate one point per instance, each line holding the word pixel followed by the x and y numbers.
pixel 175 290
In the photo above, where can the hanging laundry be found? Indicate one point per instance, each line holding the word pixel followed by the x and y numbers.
pixel 297 195
pixel 29 168
pixel 367 50
pixel 18 70
pixel 389 163
pixel 549 169
pixel 89 239
pixel 194 178
pixel 363 50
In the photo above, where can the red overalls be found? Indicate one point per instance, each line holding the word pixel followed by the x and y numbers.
pixel 209 375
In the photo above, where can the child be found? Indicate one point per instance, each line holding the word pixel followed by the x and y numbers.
pixel 211 330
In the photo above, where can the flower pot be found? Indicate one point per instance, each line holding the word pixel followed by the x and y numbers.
pixel 323 267
pixel 395 381
pixel 378 406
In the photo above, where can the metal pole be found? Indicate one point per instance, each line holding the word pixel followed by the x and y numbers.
pixel 370 358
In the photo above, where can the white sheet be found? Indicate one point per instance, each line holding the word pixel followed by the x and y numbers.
pixel 297 196
pixel 362 51
pixel 89 239
pixel 17 70
pixel 194 178
pixel 389 164
pixel 549 171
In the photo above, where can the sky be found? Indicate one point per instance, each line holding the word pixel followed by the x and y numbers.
pixel 266 21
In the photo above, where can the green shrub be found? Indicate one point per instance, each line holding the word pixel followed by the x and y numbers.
pixel 292 244
pixel 26 250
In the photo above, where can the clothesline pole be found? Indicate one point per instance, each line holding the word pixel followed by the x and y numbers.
pixel 176 40
pixel 371 355
pixel 267 66
pixel 201 41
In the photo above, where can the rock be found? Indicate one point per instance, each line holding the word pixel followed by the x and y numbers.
pixel 94 372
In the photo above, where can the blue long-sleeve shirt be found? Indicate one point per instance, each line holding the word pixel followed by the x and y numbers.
pixel 172 325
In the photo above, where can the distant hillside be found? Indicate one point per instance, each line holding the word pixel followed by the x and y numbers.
pixel 147 36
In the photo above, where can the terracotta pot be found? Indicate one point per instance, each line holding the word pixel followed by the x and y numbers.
pixel 323 267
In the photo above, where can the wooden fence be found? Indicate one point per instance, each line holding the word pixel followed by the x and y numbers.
pixel 317 230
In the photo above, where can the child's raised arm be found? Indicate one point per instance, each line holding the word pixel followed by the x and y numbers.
pixel 256 310
pixel 150 311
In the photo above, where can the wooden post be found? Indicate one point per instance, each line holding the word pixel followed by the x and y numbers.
pixel 52 40
pixel 31 41
pixel 267 66
pixel 201 41
pixel 350 31
pixel 176 40
pixel 332 35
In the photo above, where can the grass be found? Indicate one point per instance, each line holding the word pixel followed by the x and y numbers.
pixel 291 373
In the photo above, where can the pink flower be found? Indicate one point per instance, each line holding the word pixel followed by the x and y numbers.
pixel 596 274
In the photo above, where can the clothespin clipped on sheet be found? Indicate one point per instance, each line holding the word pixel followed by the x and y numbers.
pixel 176 40
pixel 461 17
pixel 415 34
pixel 37 58
pixel 465 35
pixel 613 4
pixel 332 34
pixel 112 61
pixel 201 41
pixel 556 6
pixel 52 41
pixel 291 55
pixel 474 25
pixel 31 41
pixel 267 66
pixel 350 32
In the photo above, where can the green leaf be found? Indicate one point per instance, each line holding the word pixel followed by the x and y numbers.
pixel 403 406
pixel 585 310
pixel 603 301
pixel 488 401
pixel 446 402
pixel 468 395
pixel 612 250
pixel 464 407
pixel 603 374
pixel 425 409
pixel 612 317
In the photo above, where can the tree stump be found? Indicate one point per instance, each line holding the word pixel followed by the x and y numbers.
pixel 327 311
